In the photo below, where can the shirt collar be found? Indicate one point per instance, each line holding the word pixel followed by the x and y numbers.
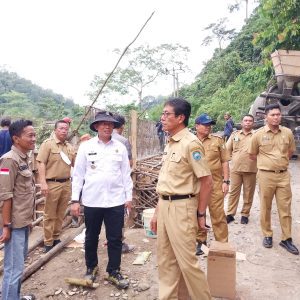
pixel 102 143
pixel 267 128
pixel 57 141
pixel 179 135
pixel 20 153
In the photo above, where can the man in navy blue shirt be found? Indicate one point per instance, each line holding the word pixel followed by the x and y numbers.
pixel 228 126
pixel 5 140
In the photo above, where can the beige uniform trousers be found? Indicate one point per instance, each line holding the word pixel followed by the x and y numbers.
pixel 176 231
pixel 275 184
pixel 248 181
pixel 55 208
pixel 216 211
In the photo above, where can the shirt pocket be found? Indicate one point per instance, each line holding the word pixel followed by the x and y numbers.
pixel 116 161
pixel 174 163
pixel 26 182
pixel 266 146
pixel 284 145
pixel 55 155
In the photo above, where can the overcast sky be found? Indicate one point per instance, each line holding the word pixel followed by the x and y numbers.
pixel 61 44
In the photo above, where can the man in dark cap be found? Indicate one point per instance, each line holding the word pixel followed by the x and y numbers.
pixel 102 173
pixel 272 146
pixel 217 158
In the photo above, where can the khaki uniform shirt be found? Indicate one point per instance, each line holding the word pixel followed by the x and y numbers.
pixel 215 152
pixel 272 149
pixel 237 146
pixel 17 183
pixel 183 163
pixel 50 155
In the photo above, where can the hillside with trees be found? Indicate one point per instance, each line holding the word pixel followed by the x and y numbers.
pixel 236 75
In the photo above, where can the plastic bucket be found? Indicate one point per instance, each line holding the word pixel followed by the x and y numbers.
pixel 147 216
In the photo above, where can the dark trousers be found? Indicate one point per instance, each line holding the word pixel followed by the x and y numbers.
pixel 113 218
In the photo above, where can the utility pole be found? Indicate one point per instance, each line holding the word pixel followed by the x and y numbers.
pixel 175 80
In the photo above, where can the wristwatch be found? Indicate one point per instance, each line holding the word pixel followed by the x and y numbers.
pixel 226 181
pixel 201 215
pixel 8 225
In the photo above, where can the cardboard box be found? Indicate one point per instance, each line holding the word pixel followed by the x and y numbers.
pixel 221 270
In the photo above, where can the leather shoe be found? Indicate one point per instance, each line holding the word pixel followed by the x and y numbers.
pixel 47 248
pixel 199 251
pixel 56 242
pixel 229 218
pixel 268 242
pixel 289 246
pixel 244 220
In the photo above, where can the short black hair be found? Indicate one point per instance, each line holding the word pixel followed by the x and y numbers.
pixel 181 107
pixel 247 115
pixel 271 106
pixel 5 122
pixel 16 128
pixel 121 120
pixel 60 121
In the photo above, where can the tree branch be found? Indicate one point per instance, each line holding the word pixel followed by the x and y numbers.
pixel 109 76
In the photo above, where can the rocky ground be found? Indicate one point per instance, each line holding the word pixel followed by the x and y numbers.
pixel 265 274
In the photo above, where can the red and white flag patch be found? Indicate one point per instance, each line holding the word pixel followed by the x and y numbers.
pixel 4 171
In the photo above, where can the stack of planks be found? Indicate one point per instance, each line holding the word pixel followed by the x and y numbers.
pixel 145 179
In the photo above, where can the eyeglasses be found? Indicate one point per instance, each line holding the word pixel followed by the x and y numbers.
pixel 166 114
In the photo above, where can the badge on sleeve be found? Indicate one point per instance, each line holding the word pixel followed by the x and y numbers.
pixel 196 155
pixel 4 171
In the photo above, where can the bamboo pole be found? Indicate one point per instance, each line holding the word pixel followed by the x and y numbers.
pixel 109 76
pixel 53 252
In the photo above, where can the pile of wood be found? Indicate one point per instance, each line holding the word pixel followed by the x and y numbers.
pixel 145 180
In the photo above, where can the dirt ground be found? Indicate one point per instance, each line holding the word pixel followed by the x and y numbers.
pixel 265 274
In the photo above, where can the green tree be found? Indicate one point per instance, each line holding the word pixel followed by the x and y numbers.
pixel 143 67
pixel 281 28
pixel 219 32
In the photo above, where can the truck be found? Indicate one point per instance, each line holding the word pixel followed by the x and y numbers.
pixel 285 91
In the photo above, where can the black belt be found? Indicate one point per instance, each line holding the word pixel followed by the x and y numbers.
pixel 176 197
pixel 277 171
pixel 58 180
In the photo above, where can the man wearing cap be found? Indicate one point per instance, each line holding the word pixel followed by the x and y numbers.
pixel 55 158
pixel 184 186
pixel 272 146
pixel 217 158
pixel 243 170
pixel 102 165
pixel 228 126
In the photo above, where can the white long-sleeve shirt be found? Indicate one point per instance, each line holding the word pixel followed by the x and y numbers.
pixel 102 172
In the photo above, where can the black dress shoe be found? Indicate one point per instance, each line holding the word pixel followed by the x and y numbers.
pixel 199 251
pixel 289 246
pixel 244 220
pixel 268 242
pixel 229 218
pixel 56 242
pixel 47 248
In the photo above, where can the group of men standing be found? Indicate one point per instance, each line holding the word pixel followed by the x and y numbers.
pixel 195 175
pixel 101 180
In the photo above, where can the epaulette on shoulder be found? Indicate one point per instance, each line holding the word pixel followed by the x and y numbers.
pixel 258 129
pixel 8 155
pixel 216 135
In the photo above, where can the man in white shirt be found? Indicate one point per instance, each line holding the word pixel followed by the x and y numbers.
pixel 102 172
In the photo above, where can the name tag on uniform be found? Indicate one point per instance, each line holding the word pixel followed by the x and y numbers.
pixel 236 139
pixel 23 167
pixel 65 158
